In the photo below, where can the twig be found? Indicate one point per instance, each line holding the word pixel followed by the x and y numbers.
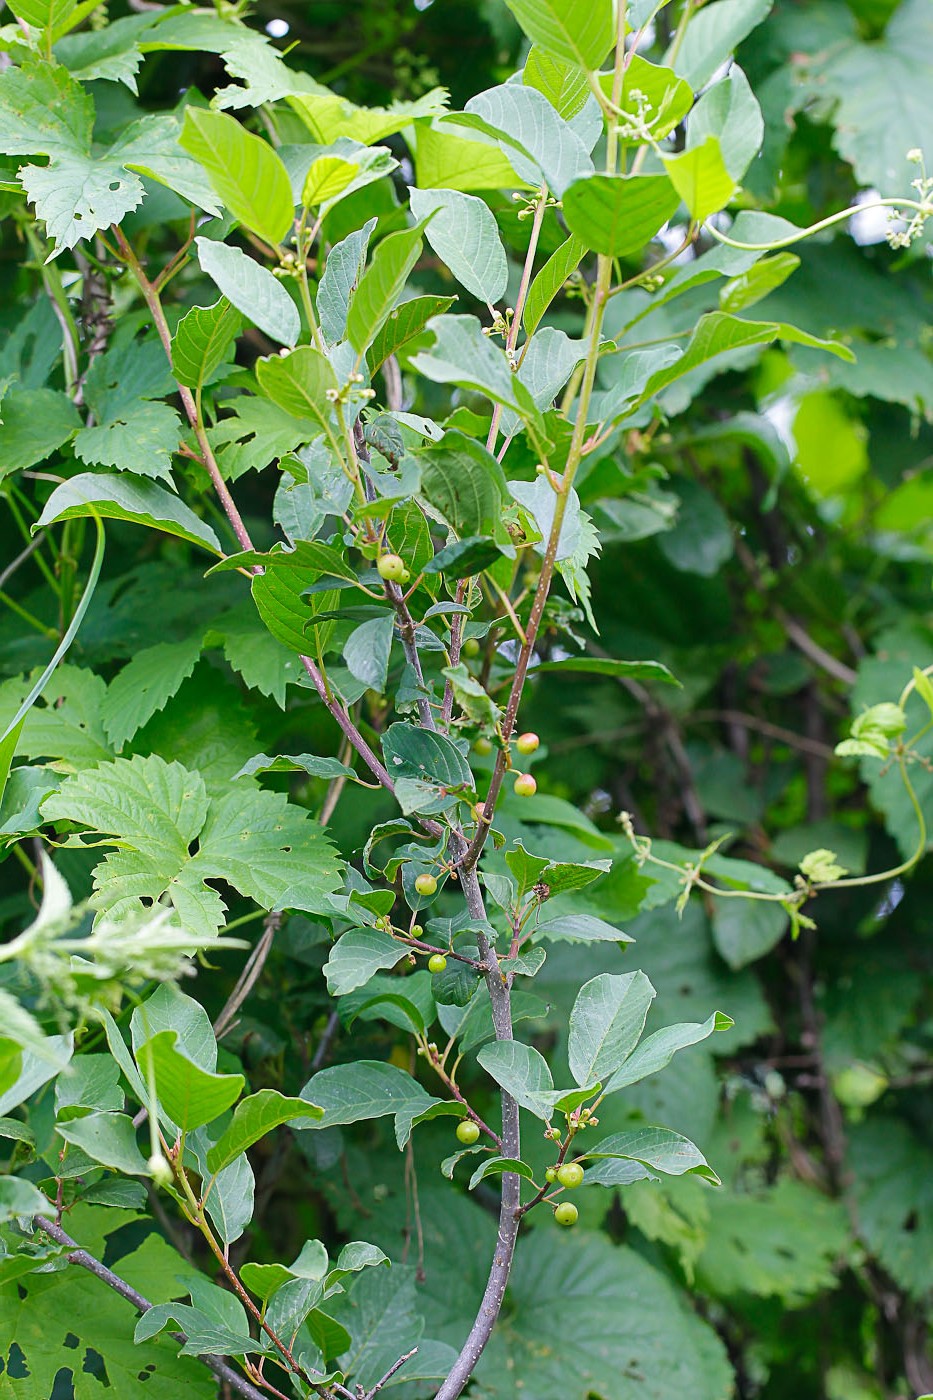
pixel 21 558
pixel 84 1260
pixel 396 1366
pixel 251 973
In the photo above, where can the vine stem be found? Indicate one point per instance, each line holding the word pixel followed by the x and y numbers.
pixel 84 1260
pixel 924 208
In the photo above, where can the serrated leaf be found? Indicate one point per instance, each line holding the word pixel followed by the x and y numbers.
pixel 153 811
pixel 252 289
pixel 36 423
pixel 140 439
pixel 464 235
pixel 244 170
pixel 125 497
pixel 144 685
pixel 76 194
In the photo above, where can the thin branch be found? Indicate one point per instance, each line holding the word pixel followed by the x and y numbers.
pixel 84 1260
pixel 21 558
pixel 396 1366
pixel 251 973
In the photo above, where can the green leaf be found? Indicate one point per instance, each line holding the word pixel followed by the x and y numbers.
pixel 658 1049
pixel 716 334
pixel 381 286
pixel 664 98
pixel 580 928
pixel 367 650
pixel 20 1198
pixel 112 54
pixel 36 423
pixel 42 109
pixel 700 177
pixel 357 956
pixel 523 1073
pixel 464 235
pixel 152 811
pixel 252 1119
pixel 108 1138
pixel 202 341
pixel 428 768
pixel 138 439
pixel 730 112
pixel 752 286
pixel 619 214
pixel 343 269
pixel 462 355
pixel 446 161
pixel 562 82
pixel 296 762
pixel 76 194
pixel 366 1089
pixel 465 484
pixel 252 289
pixel 495 1166
pixel 300 383
pixel 44 14
pixel 606 1022
pixel 144 685
pixel 603 666
pixel 543 148
pixel 549 280
pixel 402 325
pixel 782 1243
pixel 327 177
pixel 581 35
pixel 656 1148
pixel 712 36
pixel 244 170
pixel 124 497
pixel 190 1095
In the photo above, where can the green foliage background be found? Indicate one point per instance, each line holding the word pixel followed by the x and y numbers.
pixel 769 542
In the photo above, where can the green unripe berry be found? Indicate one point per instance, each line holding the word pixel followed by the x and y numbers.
pixel 550 1175
pixel 525 785
pixel 406 576
pixel 416 931
pixel 467 1132
pixel 391 567
pixel 437 962
pixel 425 885
pixel 566 1213
pixel 470 647
pixel 570 1175
pixel 482 745
pixel 527 743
